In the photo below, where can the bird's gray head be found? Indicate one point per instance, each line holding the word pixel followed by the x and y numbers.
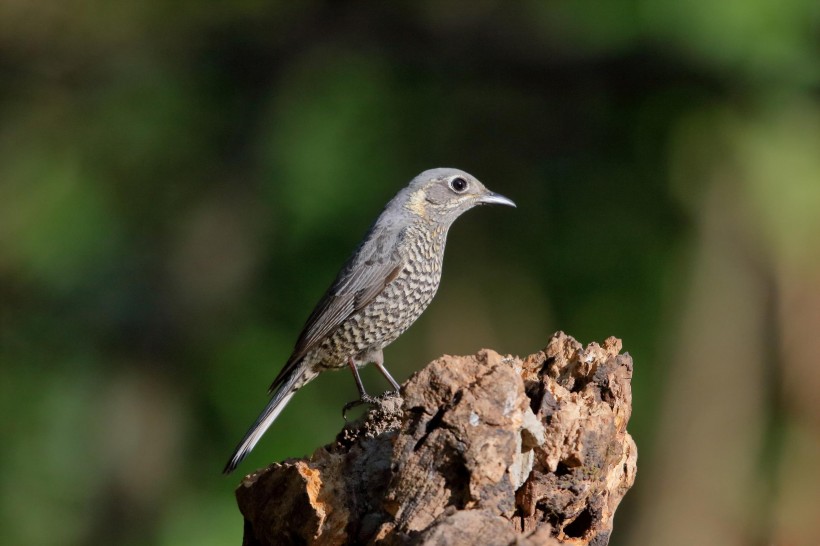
pixel 442 195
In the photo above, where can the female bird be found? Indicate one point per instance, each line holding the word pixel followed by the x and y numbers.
pixel 382 289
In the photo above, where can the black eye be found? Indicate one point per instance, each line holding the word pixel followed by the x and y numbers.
pixel 458 184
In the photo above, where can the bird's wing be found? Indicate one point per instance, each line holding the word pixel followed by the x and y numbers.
pixel 374 265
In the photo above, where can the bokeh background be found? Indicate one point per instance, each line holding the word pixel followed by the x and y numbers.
pixel 179 183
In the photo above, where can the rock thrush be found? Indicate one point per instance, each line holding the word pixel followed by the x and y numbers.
pixel 382 289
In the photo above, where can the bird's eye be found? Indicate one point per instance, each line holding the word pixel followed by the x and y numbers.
pixel 458 184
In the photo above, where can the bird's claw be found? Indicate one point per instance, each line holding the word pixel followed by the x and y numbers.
pixel 365 399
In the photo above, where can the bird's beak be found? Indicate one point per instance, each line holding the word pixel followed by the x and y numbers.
pixel 492 198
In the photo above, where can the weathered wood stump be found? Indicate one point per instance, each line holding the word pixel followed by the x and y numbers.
pixel 479 449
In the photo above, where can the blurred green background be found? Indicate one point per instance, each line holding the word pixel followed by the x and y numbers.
pixel 179 183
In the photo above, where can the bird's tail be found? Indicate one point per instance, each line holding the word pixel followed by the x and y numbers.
pixel 278 401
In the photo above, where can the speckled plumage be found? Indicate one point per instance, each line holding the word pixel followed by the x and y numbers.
pixel 396 307
pixel 383 288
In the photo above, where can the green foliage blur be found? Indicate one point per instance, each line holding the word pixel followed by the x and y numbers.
pixel 180 182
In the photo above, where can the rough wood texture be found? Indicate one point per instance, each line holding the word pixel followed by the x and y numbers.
pixel 481 449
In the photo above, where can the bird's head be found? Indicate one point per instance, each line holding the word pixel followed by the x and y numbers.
pixel 442 195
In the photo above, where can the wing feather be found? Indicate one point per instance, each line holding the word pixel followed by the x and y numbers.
pixel 374 265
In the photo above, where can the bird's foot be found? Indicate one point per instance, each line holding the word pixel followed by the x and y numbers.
pixel 365 399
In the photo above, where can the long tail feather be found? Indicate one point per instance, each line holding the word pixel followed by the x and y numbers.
pixel 277 403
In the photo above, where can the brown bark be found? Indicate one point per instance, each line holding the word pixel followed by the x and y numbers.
pixel 480 449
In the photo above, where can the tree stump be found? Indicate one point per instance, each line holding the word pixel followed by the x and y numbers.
pixel 479 449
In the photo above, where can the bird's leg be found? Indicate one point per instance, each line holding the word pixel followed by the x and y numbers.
pixel 364 398
pixel 378 360
pixel 359 385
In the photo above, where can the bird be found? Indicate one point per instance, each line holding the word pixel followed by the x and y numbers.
pixel 385 285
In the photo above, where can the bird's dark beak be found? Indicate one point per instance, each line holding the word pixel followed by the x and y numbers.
pixel 492 198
